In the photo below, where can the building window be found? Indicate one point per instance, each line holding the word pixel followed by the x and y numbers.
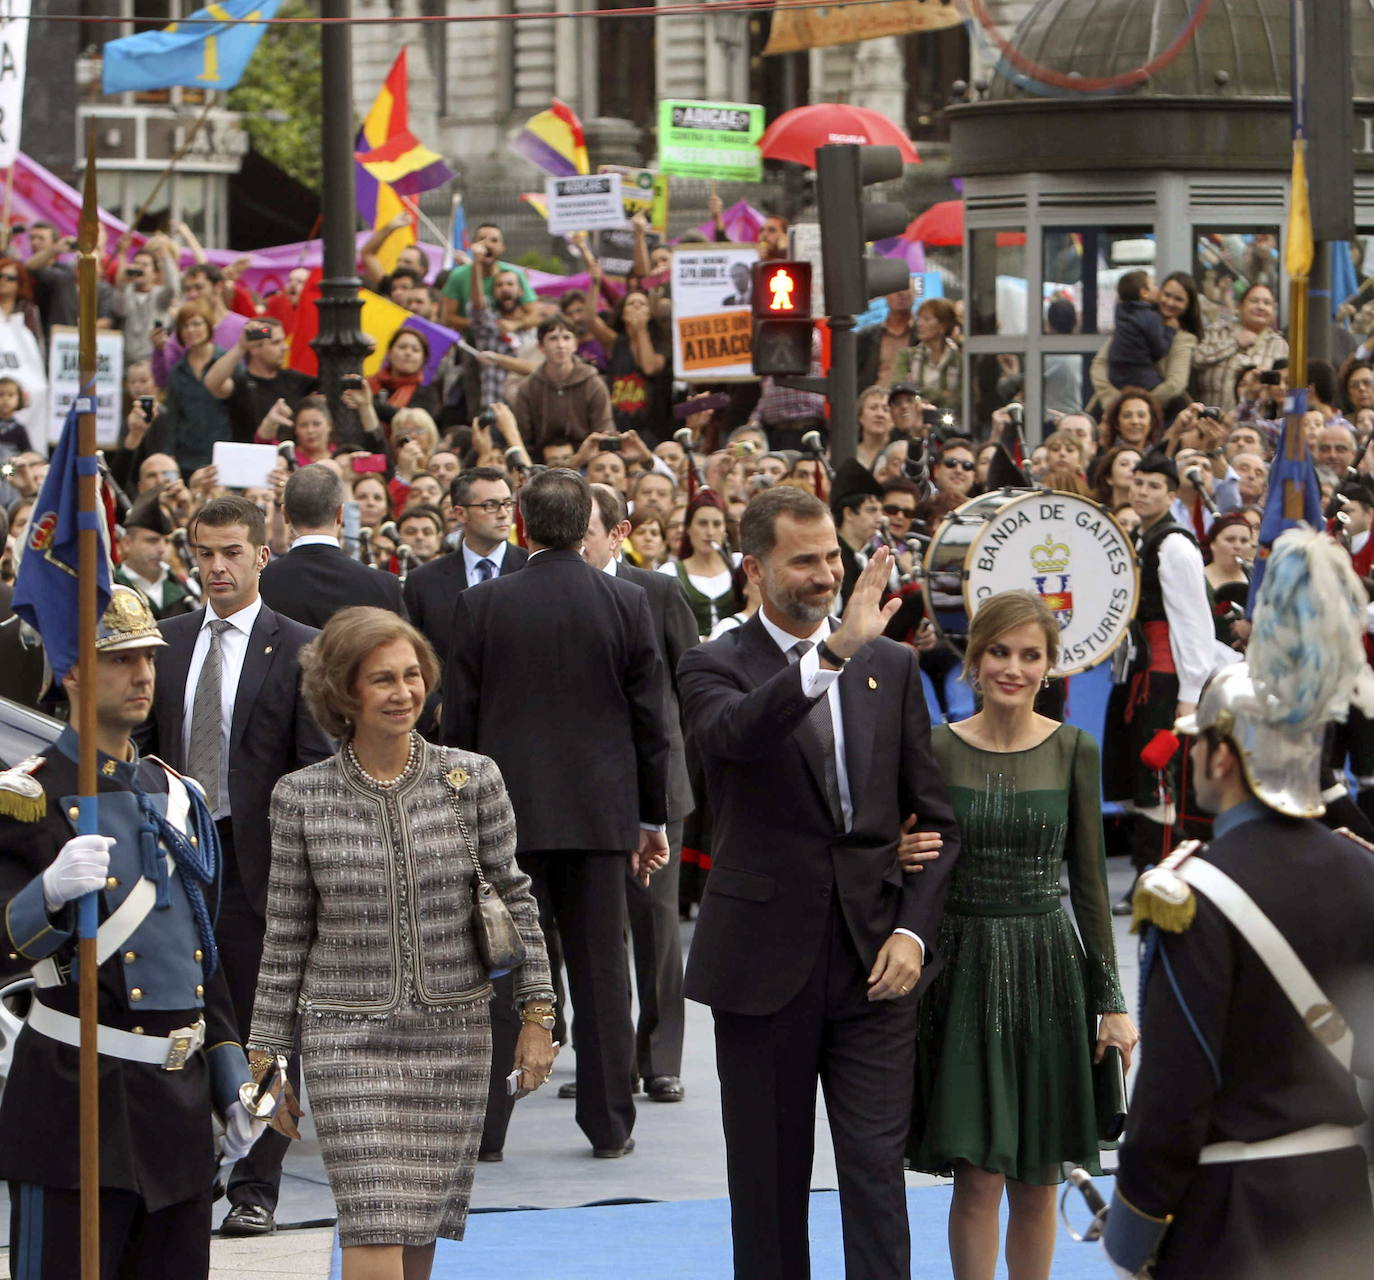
pixel 1227 261
pixel 1081 266
pixel 997 281
pixel 626 86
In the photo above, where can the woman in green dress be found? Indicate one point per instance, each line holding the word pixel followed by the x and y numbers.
pixel 1011 1027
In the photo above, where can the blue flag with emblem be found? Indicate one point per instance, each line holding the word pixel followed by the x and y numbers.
pixel 208 50
pixel 1286 473
pixel 45 586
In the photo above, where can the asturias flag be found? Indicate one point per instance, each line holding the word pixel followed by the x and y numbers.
pixel 45 587
pixel 208 50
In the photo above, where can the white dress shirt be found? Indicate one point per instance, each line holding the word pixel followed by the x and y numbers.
pixel 233 649
pixel 153 590
pixel 497 555
pixel 817 680
pixel 314 540
pixel 1192 635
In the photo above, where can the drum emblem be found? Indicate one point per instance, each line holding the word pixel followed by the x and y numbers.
pixel 1048 562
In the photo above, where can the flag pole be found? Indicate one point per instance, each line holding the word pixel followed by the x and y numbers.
pixel 173 162
pixel 88 549
pixel 1298 253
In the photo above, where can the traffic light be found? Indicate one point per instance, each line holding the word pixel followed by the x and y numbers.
pixel 782 318
pixel 849 224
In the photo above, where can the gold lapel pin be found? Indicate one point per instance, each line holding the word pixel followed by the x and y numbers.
pixel 872 683
pixel 268 649
pixel 457 778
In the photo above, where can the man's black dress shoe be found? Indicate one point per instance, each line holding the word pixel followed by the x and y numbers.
pixel 248 1220
pixel 665 1089
pixel 614 1153
pixel 568 1090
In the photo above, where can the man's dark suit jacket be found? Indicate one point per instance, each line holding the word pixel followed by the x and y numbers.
pixel 776 858
pixel 273 732
pixel 432 590
pixel 310 584
pixel 553 673
pixel 675 631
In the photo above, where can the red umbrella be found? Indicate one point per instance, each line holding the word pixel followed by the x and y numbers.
pixel 796 134
pixel 943 224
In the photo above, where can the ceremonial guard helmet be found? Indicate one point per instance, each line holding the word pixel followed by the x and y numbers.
pixel 127 623
pixel 1305 665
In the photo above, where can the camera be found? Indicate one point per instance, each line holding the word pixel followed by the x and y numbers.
pixel 148 405
pixel 134 273
pixel 257 332
pixel 610 445
pixel 351 382
pixel 1271 377
pixel 487 419
pixel 1211 412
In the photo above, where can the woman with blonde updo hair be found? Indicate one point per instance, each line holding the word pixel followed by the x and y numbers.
pixel 370 950
pixel 1013 1023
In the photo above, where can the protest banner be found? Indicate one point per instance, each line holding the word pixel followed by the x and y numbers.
pixel 64 381
pixel 717 140
pixel 712 319
pixel 586 202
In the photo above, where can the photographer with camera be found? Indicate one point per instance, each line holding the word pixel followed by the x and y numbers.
pixel 145 288
pixel 261 393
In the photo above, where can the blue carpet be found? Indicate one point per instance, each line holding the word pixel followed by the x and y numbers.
pixel 690 1240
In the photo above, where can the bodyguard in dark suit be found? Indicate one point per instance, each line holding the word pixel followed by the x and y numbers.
pixel 812 946
pixel 482 508
pixel 553 673
pixel 228 712
pixel 655 932
pixel 316 578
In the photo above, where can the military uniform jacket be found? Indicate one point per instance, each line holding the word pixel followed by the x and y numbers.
pixel 1262 1074
pixel 155 1125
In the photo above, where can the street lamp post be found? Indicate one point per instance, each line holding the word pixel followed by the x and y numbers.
pixel 340 345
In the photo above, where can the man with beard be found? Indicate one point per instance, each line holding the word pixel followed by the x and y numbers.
pixel 497 329
pixel 812 945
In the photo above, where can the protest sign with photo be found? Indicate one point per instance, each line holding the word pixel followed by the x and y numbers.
pixel 64 381
pixel 712 318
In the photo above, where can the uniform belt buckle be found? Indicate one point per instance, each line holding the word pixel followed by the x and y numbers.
pixel 180 1045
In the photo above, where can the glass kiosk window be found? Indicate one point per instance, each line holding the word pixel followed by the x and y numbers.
pixel 1227 261
pixel 1080 267
pixel 997 294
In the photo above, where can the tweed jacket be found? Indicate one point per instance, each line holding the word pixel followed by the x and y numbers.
pixel 369 904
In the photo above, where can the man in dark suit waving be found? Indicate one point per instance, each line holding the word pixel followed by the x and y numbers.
pixel 316 578
pixel 812 945
pixel 228 712
pixel 553 673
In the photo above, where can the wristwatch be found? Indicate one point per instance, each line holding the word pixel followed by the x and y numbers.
pixel 827 654
pixel 538 1012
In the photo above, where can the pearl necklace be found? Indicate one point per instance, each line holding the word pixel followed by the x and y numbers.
pixel 411 762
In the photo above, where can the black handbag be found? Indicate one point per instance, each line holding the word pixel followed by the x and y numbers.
pixel 1109 1095
pixel 499 944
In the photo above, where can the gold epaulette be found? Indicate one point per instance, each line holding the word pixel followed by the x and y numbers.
pixel 1354 839
pixel 21 794
pixel 1163 897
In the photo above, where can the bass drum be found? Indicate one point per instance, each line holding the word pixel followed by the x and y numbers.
pixel 947 558
pixel 1063 548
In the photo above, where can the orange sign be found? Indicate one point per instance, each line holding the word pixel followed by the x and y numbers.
pixel 812 28
pixel 715 342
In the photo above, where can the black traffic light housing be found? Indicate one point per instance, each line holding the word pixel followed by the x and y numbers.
pixel 782 318
pixel 848 224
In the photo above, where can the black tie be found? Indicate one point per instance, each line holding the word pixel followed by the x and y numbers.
pixel 819 724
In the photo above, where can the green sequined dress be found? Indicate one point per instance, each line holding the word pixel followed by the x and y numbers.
pixel 1004 1048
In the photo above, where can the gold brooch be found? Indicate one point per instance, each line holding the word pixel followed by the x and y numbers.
pixel 457 778
pixel 872 683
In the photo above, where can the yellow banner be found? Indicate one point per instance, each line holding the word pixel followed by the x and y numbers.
pixel 848 24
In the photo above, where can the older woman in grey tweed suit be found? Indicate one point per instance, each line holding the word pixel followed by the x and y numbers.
pixel 370 948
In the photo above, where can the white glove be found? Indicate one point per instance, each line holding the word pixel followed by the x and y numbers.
pixel 241 1131
pixel 80 868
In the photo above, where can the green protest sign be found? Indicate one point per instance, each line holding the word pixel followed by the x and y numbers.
pixel 710 140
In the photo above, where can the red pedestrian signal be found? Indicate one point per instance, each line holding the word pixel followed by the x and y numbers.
pixel 782 318
pixel 782 289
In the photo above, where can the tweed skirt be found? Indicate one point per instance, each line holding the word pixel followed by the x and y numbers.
pixel 398 1103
